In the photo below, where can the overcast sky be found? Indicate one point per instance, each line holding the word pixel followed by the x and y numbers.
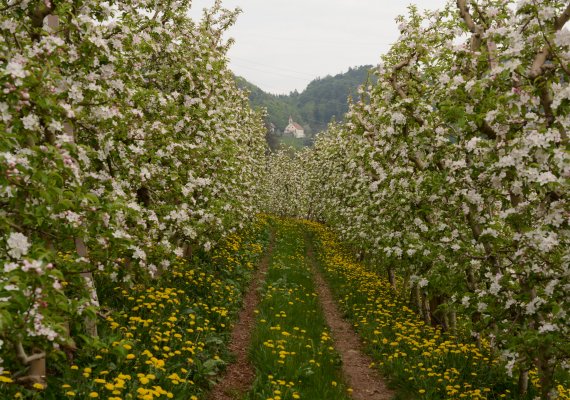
pixel 281 45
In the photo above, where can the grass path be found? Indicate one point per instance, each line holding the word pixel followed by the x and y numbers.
pixel 292 349
pixel 240 374
pixel 366 382
pixel 299 345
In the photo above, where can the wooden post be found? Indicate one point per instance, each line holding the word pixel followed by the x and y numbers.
pixel 446 321
pixel 523 382
pixel 188 250
pixel 417 299
pixel 452 321
pixel 426 311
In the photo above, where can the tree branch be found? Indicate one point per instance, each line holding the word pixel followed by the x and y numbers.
pixel 537 67
pixel 488 130
pixel 25 358
pixel 398 89
pixel 475 29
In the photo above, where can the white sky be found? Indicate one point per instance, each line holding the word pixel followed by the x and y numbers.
pixel 282 45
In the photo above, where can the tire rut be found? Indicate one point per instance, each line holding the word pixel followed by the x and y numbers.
pixel 366 382
pixel 240 374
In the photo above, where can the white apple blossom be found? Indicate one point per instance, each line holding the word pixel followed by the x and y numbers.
pixel 31 122
pixel 18 245
pixel 15 68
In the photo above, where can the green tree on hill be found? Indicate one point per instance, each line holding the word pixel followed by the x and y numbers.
pixel 314 108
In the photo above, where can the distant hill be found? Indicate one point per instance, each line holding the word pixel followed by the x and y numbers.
pixel 323 99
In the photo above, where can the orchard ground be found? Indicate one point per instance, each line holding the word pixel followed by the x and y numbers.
pixel 170 339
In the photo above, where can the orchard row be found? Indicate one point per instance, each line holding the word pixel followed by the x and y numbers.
pixel 124 145
pixel 451 174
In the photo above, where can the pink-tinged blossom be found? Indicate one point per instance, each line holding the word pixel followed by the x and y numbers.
pixel 9 267
pixel 562 37
pixel 534 305
pixel 547 327
pixel 543 241
pixel 55 126
pixel 546 177
pixel 139 254
pixel 38 327
pixel 9 25
pixel 5 112
pixel 34 266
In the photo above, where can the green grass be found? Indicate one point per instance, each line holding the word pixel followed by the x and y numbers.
pixel 292 349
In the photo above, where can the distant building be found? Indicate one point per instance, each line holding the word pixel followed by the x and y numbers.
pixel 294 129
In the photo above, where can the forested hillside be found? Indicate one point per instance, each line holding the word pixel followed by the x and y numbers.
pixel 323 99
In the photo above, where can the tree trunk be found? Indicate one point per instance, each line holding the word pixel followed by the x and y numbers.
pixel 37 363
pixel 90 323
pixel 523 382
pixel 546 375
pixel 416 299
pixel 38 369
pixel 426 311
pixel 392 277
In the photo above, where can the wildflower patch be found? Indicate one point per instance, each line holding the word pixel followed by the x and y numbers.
pixel 166 339
pixel 422 361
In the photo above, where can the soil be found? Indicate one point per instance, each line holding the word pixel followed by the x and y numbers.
pixel 239 375
pixel 366 382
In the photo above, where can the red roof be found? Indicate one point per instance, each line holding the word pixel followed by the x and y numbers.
pixel 297 126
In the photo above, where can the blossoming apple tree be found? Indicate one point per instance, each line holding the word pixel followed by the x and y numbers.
pixel 452 172
pixel 124 144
